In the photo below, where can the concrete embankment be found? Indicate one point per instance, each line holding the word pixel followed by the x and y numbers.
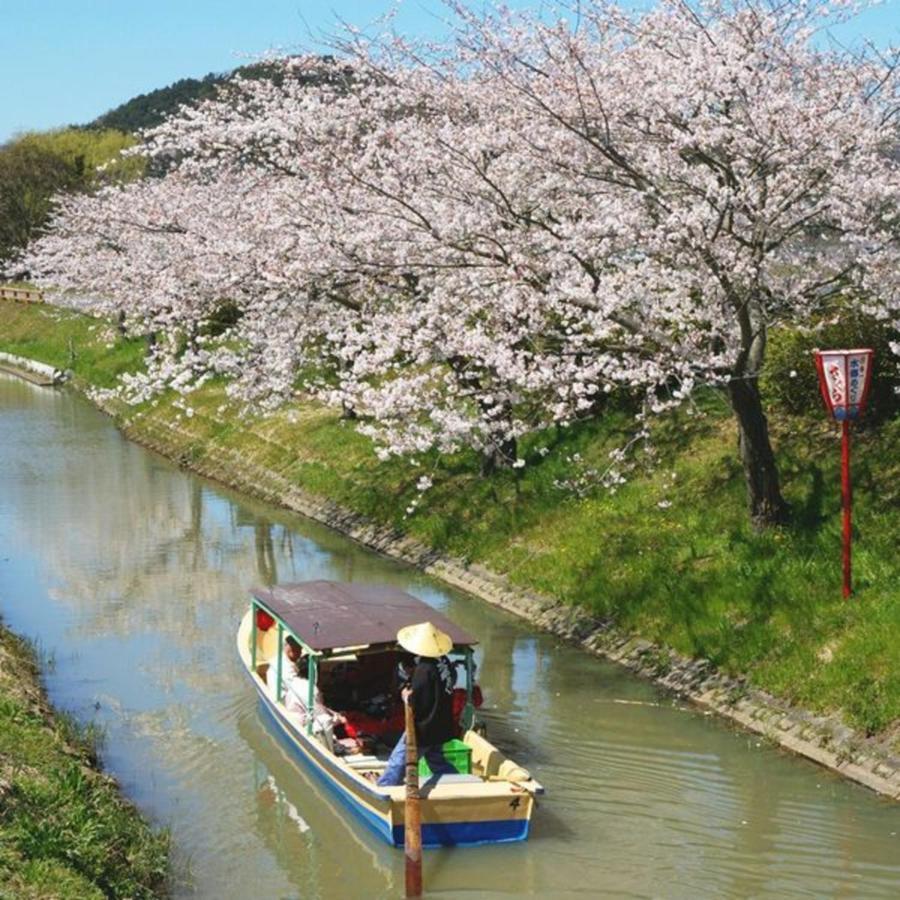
pixel 31 370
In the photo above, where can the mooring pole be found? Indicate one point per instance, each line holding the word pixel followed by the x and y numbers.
pixel 412 819
pixel 846 501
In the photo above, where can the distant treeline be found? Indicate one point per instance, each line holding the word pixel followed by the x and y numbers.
pixel 147 110
pixel 36 166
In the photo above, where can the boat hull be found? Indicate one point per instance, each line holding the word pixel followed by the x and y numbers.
pixel 464 822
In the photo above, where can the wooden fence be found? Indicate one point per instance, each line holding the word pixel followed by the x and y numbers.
pixel 22 295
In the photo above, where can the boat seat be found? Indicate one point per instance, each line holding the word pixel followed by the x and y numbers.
pixel 490 763
pixel 486 758
pixel 362 761
pixel 452 778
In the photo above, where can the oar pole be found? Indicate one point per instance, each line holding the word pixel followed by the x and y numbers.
pixel 413 818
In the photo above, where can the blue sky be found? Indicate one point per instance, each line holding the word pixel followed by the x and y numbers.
pixel 68 61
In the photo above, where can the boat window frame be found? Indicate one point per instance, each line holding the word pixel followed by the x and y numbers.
pixel 313 655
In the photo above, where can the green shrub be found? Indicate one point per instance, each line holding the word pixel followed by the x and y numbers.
pixel 789 378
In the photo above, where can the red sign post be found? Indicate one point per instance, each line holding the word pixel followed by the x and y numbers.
pixel 844 377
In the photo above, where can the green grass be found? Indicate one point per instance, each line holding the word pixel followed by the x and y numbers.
pixel 65 831
pixel 690 574
pixel 91 349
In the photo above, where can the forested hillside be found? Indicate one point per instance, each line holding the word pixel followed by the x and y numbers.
pixel 148 110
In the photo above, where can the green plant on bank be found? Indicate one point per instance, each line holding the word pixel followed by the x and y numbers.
pixel 65 830
pixel 669 556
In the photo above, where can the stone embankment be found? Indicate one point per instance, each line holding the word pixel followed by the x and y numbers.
pixel 823 739
pixel 31 370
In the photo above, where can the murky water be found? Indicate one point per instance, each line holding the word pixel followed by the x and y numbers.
pixel 132 577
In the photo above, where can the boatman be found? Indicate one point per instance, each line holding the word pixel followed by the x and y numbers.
pixel 431 701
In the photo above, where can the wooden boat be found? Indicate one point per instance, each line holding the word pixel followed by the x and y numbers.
pixel 345 628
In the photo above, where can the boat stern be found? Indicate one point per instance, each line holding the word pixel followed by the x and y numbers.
pixel 467 815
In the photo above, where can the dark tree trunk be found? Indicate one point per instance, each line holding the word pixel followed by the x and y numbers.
pixel 767 506
pixel 499 456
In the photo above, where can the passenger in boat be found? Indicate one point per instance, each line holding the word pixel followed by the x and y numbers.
pixel 430 700
pixel 458 701
pixel 295 677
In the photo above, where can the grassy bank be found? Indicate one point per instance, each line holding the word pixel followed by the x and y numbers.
pixel 669 556
pixel 65 831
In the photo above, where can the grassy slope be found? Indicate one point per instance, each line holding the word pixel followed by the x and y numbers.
pixel 65 831
pixel 692 575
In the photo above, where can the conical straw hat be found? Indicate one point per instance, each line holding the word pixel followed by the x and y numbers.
pixel 424 640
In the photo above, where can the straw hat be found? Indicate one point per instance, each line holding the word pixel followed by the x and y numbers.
pixel 424 640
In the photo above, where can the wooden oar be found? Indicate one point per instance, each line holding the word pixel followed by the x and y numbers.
pixel 413 818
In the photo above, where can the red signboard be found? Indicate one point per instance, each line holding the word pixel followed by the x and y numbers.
pixel 844 377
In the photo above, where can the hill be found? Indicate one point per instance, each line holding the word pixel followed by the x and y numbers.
pixel 38 166
pixel 149 110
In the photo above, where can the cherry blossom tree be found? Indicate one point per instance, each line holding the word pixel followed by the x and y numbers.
pixel 685 179
pixel 464 243
pixel 709 171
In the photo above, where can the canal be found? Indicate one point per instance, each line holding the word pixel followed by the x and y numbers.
pixel 132 575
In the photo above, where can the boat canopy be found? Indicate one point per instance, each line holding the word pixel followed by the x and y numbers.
pixel 330 615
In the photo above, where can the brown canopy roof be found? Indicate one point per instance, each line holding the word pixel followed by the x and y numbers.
pixel 329 614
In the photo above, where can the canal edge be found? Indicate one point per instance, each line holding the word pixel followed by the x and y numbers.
pixel 141 860
pixel 824 739
pixel 31 370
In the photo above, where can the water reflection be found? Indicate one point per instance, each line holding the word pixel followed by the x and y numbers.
pixel 134 575
pixel 295 813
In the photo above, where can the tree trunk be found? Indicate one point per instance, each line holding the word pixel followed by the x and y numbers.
pixel 499 456
pixel 767 506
